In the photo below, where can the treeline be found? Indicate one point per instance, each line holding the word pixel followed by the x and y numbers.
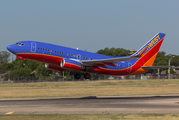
pixel 33 68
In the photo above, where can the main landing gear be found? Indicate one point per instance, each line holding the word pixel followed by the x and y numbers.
pixel 23 64
pixel 78 76
pixel 87 76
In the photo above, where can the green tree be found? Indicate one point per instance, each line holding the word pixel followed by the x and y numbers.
pixel 161 59
pixel 174 61
pixel 21 72
pixel 4 67
pixel 4 56
pixel 114 52
pixel 16 69
pixel 42 71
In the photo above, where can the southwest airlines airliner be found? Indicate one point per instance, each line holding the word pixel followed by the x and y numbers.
pixel 60 58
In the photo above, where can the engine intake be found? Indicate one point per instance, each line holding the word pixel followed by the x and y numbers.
pixel 71 65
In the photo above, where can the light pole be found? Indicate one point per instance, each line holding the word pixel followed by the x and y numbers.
pixel 169 67
pixel 63 75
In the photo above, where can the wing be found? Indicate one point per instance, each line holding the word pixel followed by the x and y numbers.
pixel 112 61
pixel 103 62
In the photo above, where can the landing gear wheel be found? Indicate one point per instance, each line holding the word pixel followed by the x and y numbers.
pixel 87 76
pixel 77 76
pixel 23 64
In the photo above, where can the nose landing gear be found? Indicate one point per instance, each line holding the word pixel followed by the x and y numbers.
pixel 23 64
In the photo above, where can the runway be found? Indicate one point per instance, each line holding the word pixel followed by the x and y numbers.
pixel 91 105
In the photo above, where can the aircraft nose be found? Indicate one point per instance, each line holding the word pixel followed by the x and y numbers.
pixel 11 48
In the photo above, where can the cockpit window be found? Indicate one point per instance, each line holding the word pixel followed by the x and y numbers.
pixel 20 44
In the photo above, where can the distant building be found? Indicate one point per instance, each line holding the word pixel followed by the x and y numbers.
pixel 132 51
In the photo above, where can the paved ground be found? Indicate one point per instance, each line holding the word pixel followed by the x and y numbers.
pixel 91 105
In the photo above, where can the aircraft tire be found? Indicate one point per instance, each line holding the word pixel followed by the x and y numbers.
pixel 87 76
pixel 23 64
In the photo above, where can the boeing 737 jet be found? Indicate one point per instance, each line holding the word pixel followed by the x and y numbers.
pixel 60 58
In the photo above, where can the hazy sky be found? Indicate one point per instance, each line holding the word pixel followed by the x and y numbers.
pixel 90 24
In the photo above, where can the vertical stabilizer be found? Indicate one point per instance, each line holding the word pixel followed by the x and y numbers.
pixel 149 50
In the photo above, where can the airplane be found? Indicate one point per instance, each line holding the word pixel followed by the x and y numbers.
pixel 60 58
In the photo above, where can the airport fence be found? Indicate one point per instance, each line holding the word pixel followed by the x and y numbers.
pixel 28 79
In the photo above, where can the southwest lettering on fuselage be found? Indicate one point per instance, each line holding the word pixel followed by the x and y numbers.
pixel 100 64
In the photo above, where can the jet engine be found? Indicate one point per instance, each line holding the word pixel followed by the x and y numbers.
pixel 71 65
pixel 53 67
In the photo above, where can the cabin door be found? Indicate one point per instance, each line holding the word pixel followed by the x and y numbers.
pixel 33 47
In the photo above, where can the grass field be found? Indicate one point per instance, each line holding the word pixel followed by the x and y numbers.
pixel 89 88
pixel 92 117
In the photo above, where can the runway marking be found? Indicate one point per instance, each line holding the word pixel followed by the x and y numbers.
pixel 9 113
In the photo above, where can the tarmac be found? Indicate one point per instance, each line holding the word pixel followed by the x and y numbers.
pixel 92 105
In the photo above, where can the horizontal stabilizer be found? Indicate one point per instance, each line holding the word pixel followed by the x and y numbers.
pixel 156 67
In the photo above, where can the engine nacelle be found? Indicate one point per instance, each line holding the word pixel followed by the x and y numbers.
pixel 71 65
pixel 53 67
